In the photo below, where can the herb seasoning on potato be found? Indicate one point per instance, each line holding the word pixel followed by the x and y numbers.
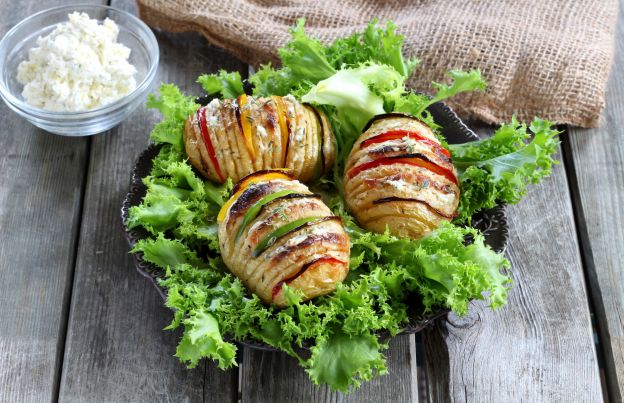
pixel 235 137
pixel 273 232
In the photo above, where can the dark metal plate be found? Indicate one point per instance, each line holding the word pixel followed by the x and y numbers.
pixel 493 222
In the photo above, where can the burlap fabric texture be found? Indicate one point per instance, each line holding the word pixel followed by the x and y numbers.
pixel 540 58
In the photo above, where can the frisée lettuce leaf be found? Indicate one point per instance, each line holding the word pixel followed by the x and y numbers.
pixel 499 169
pixel 226 84
pixel 351 79
pixel 359 93
pixel 175 107
pixel 213 306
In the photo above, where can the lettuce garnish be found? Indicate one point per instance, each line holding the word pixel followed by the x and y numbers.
pixel 352 80
pixel 499 169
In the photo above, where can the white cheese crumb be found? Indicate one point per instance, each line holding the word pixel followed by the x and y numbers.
pixel 400 185
pixel 213 121
pixel 261 131
pixel 77 67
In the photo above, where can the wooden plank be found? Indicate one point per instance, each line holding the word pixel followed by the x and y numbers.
pixel 275 377
pixel 116 347
pixel 41 186
pixel 597 158
pixel 540 346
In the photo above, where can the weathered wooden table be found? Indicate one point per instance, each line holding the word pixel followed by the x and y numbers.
pixel 78 323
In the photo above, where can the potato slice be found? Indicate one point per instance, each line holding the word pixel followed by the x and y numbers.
pixel 382 186
pixel 282 132
pixel 293 239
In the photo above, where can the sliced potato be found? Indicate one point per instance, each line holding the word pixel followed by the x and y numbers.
pixel 277 132
pixel 227 147
pixel 399 177
pixel 277 232
pixel 329 143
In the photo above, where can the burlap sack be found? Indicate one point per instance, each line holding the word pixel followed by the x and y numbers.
pixel 541 58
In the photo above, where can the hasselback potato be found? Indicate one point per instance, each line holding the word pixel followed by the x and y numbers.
pixel 399 176
pixel 235 137
pixel 274 231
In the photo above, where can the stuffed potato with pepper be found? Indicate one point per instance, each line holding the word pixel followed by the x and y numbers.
pixel 274 231
pixel 236 137
pixel 398 176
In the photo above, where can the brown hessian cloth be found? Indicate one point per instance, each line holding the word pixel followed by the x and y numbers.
pixel 540 58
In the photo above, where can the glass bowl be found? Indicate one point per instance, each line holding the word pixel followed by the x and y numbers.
pixel 133 33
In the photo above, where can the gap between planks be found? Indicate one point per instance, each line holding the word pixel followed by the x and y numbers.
pixel 597 159
pixel 69 282
pixel 595 301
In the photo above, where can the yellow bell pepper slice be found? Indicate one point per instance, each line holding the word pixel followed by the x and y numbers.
pixel 245 183
pixel 245 125
pixel 281 118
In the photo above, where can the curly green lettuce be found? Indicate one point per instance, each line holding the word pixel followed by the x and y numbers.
pixel 351 79
pixel 175 107
pixel 226 84
pixel 499 169
pixel 306 61
pixel 386 272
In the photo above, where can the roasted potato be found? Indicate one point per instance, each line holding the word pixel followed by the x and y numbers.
pixel 399 176
pixel 235 137
pixel 274 231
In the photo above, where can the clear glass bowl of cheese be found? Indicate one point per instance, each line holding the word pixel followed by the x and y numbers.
pixel 133 33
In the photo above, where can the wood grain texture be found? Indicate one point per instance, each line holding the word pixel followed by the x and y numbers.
pixel 540 346
pixel 597 161
pixel 41 185
pixel 116 347
pixel 276 377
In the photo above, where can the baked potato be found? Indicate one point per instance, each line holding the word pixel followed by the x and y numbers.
pixel 399 176
pixel 235 137
pixel 274 231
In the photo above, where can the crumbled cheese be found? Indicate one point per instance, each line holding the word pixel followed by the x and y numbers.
pixel 315 231
pixel 403 144
pixel 79 66
pixel 290 109
pixel 213 105
pixel 261 131
pixel 441 199
pixel 366 158
pixel 400 185
pixel 213 121
pixel 290 98
pixel 261 148
pixel 411 143
pixel 319 230
pixel 213 112
pixel 300 134
pixel 435 197
pixel 294 241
